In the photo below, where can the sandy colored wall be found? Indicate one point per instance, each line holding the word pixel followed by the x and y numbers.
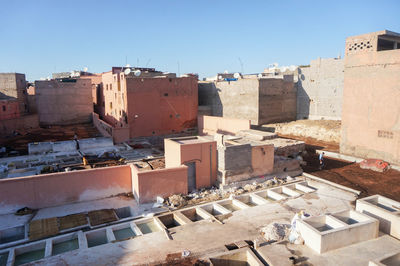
pixel 160 106
pixel 320 89
pixel 25 122
pixel 13 85
pixel 60 188
pixel 371 105
pixel 262 159
pixel 214 124
pixel 147 185
pixel 64 103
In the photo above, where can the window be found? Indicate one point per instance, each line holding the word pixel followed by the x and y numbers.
pixel 110 86
pixel 385 44
pixel 4 108
pixel 110 105
pixel 107 87
pixel 115 95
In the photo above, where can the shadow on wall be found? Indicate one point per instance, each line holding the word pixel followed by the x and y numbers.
pixel 303 100
pixel 209 96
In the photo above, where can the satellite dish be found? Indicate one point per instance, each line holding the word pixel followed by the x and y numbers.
pixel 219 77
pixel 259 75
pixel 127 71
pixel 226 72
pixel 85 69
pixel 236 75
pixel 137 72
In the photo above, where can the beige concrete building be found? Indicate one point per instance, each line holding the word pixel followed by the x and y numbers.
pixel 63 102
pixel 13 87
pixel 371 98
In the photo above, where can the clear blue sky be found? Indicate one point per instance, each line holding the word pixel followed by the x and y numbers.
pixel 40 37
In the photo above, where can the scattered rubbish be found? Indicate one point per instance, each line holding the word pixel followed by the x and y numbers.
pixel 24 211
pixel 185 253
pixel 275 231
pixel 289 178
pixel 177 201
pixel 159 202
pixel 375 165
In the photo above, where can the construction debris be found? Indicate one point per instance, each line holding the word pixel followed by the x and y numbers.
pixel 275 231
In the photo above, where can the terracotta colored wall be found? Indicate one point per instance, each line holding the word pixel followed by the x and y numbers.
pixel 158 106
pixel 9 109
pixel 118 134
pixel 214 124
pixel 262 159
pixel 25 122
pixel 60 188
pixel 147 185
pixel 371 104
pixel 203 153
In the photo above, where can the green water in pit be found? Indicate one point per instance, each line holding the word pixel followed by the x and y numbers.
pixel 324 228
pixel 148 227
pixel 123 233
pixel 65 246
pixel 96 239
pixel 29 256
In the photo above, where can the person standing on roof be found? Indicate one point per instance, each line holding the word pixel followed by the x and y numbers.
pixel 321 160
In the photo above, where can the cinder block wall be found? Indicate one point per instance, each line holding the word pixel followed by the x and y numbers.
pixel 64 103
pixel 320 89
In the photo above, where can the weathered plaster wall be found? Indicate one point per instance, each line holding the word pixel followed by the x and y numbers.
pixel 61 188
pixel 262 159
pixel 24 122
pixel 9 109
pixel 276 100
pixel 160 106
pixel 13 85
pixel 64 103
pixel 371 105
pixel 203 153
pixel 119 134
pixel 320 89
pixel 147 185
pixel 213 124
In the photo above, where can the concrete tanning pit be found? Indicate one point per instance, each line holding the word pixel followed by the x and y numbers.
pixel 386 210
pixel 96 238
pixel 287 191
pixel 123 232
pixel 270 196
pixel 64 244
pixel 148 226
pixel 195 214
pixel 215 209
pixel 12 234
pixel 29 253
pixel 252 200
pixel 171 220
pixel 233 205
pixel 337 230
pixel 4 258
pixel 123 212
pixel 392 259
pixel 237 257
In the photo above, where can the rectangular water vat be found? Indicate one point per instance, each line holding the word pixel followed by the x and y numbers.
pixel 215 209
pixel 170 220
pixel 29 253
pixel 237 257
pixel 12 234
pixel 303 187
pixel 148 226
pixel 123 232
pixel 270 195
pixel 4 258
pixel 64 244
pixel 386 210
pixel 194 215
pixel 350 217
pixel 233 205
pixel 96 238
pixel 123 212
pixel 252 200
pixel 328 232
pixel 286 191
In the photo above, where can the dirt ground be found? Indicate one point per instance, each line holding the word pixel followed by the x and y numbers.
pixel 350 174
pixel 54 133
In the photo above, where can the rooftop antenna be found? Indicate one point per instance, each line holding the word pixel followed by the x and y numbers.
pixel 126 59
pixel 179 71
pixel 148 61
pixel 241 64
pixel 137 62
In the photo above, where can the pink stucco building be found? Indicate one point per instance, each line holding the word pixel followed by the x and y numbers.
pixel 371 98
